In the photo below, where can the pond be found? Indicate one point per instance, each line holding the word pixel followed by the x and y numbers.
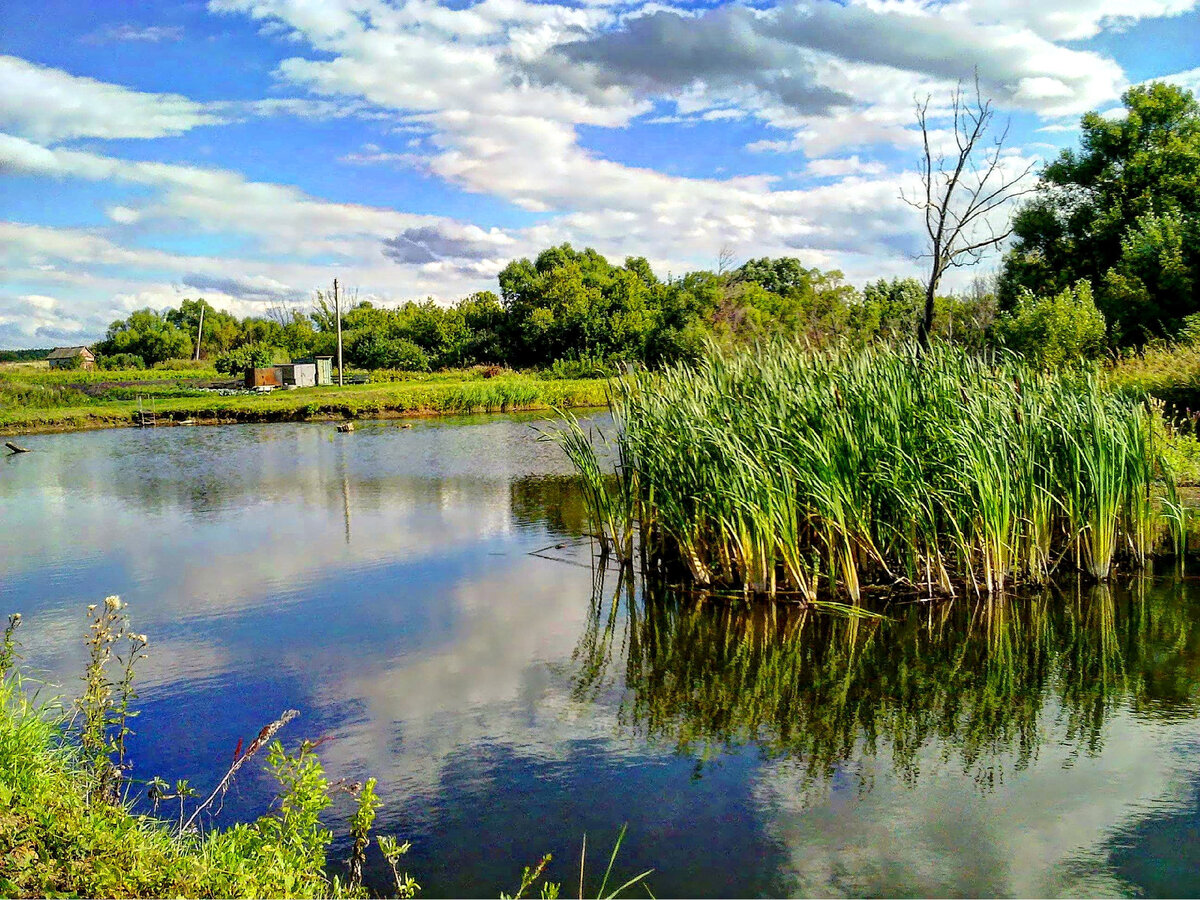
pixel 423 596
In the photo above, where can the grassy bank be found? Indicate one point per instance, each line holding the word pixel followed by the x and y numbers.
pixel 1168 372
pixel 816 472
pixel 39 400
pixel 69 825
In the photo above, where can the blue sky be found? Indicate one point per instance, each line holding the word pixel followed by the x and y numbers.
pixel 251 150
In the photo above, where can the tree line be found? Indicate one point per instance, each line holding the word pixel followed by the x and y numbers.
pixel 1106 254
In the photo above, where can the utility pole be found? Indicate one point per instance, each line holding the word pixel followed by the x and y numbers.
pixel 337 312
pixel 200 331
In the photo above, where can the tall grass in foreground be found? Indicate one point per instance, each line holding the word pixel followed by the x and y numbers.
pixel 817 471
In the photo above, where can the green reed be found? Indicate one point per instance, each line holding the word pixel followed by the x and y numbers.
pixel 820 471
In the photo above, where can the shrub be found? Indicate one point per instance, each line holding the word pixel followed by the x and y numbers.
pixel 248 356
pixel 1051 331
pixel 372 351
pixel 121 361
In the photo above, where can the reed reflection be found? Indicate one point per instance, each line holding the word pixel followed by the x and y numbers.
pixel 988 683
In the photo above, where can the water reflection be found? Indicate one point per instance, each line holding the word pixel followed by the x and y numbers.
pixel 981 681
pixel 394 586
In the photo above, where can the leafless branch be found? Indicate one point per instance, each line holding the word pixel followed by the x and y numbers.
pixel 257 744
pixel 962 192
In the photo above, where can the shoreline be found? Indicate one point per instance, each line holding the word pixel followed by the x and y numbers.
pixel 418 399
pixel 7 432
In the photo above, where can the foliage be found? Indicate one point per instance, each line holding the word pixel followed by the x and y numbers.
pixel 370 350
pixel 1054 331
pixel 121 361
pixel 567 310
pixel 148 334
pixel 24 355
pixel 247 356
pixel 66 827
pixel 1121 212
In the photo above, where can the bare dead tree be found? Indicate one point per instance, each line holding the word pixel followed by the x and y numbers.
pixel 961 191
pixel 279 312
pixel 725 259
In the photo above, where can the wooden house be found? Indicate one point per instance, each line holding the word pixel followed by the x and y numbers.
pixel 65 358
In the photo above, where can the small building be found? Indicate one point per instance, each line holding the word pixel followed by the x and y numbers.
pixel 298 374
pixel 265 377
pixel 324 366
pixel 65 358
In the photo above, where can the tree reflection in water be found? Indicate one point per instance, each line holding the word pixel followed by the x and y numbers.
pixel 986 683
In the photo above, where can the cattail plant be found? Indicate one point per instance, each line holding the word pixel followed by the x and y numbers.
pixel 815 472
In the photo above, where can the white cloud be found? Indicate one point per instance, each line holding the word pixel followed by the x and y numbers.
pixel 1189 79
pixel 51 105
pixel 850 166
pixel 148 34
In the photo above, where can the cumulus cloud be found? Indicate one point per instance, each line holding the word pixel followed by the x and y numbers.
pixel 52 105
pixel 1189 79
pixel 782 53
pixel 255 288
pixel 503 94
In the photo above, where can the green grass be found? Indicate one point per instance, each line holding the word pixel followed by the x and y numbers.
pixel 1169 372
pixel 68 827
pixel 57 839
pixel 818 471
pixel 50 400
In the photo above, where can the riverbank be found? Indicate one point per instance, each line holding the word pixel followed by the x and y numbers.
pixel 50 403
pixel 58 839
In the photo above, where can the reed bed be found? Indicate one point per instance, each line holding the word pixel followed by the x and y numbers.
pixel 816 472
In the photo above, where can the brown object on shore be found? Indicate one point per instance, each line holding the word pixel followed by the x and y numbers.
pixel 14 448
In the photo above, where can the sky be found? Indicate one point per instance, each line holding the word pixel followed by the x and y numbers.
pixel 250 151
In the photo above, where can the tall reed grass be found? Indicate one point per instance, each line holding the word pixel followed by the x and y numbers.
pixel 819 471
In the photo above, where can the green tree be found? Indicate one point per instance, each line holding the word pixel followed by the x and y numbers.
pixel 573 304
pixel 148 334
pixel 222 331
pixel 1122 211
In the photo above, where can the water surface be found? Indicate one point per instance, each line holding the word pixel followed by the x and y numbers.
pixel 423 597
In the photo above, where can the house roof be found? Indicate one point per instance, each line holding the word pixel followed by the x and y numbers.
pixel 67 352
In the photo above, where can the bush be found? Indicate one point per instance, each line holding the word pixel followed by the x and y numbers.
pixel 1051 331
pixel 372 351
pixel 249 356
pixel 121 361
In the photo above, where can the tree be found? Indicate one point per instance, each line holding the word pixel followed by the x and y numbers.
pixel 222 331
pixel 148 334
pixel 1123 212
pixel 961 193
